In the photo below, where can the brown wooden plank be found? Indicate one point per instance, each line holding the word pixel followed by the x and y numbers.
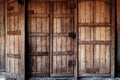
pixel 97 51
pixel 39 54
pixel 95 42
pixel 102 59
pixel 32 15
pixel 63 53
pixel 38 34
pixel 94 24
pixel 107 58
pixel 106 1
pixel 13 32
pixel 17 56
pixel 61 16
pixel 16 44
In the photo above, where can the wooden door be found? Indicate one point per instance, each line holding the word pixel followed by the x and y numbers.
pixel 38 33
pixel 50 36
pixel 2 36
pixel 15 31
pixel 63 37
pixel 95 39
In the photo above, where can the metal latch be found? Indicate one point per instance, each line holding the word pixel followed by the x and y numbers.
pixel 71 63
pixel 72 34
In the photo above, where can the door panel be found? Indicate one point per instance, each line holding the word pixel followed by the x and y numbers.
pixel 38 38
pixel 15 40
pixel 94 38
pixel 63 52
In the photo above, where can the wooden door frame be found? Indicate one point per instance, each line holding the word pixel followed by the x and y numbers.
pixel 76 41
pixel 113 19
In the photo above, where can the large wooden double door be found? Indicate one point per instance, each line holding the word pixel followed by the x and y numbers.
pixel 69 38
pixel 51 37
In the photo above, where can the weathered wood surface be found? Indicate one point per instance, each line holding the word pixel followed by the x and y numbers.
pixel 15 39
pixel 94 26
pixel 2 36
pixel 39 32
pixel 38 38
pixel 63 64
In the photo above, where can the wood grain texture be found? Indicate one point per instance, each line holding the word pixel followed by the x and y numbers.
pixel 94 54
pixel 38 37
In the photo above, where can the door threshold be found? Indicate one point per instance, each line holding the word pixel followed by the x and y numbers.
pixel 52 78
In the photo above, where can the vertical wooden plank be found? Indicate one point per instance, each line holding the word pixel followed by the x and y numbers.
pixel 97 11
pixel 108 18
pixel 89 56
pixel 102 59
pixel 12 45
pixel 103 33
pixel 16 43
pixel 107 59
pixel 107 31
pixel 22 40
pixel 83 57
pixel 59 44
pixel 103 12
pixel 83 33
pixel 98 32
pixel 97 51
pixel 63 57
pixel 39 40
pixel 113 39
pixel 58 25
pixel 83 12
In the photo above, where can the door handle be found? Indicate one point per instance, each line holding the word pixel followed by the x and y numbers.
pixel 72 35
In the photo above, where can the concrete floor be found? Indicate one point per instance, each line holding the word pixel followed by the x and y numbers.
pixel 91 78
